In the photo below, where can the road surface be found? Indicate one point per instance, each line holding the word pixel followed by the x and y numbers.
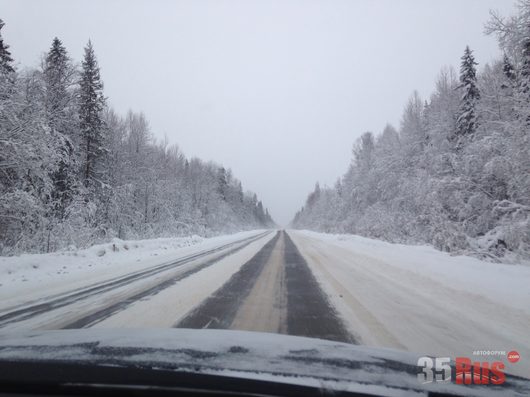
pixel 275 291
pixel 289 283
pixel 259 283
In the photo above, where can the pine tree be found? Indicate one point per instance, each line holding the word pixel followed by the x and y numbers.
pixel 6 61
pixel 92 126
pixel 467 118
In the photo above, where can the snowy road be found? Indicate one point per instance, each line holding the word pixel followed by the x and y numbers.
pixel 343 288
pixel 93 303
pixel 273 292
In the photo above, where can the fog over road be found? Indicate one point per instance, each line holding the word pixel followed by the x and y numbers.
pixel 298 283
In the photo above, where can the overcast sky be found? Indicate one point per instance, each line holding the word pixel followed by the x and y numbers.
pixel 277 91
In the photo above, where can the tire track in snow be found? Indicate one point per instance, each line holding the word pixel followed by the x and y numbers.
pixel 265 308
pixel 309 312
pixel 41 306
pixel 219 310
pixel 100 315
pixel 274 291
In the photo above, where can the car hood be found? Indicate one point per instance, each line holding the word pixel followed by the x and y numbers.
pixel 241 354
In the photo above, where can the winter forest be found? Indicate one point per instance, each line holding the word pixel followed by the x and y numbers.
pixel 73 172
pixel 456 174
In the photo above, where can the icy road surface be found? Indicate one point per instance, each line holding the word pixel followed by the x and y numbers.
pixel 342 288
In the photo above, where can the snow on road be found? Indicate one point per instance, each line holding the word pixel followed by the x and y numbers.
pixel 421 300
pixel 170 305
pixel 410 298
pixel 29 277
pixel 274 291
pixel 265 308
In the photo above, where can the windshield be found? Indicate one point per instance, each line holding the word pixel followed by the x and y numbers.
pixel 355 172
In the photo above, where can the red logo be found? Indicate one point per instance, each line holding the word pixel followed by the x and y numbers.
pixel 467 372
pixel 479 373
pixel 513 356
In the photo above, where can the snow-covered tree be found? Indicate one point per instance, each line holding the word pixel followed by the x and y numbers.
pixel 6 62
pixel 508 69
pixel 58 75
pixel 92 126
pixel 413 186
pixel 73 172
pixel 467 116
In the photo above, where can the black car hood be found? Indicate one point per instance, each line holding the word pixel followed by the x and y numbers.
pixel 249 355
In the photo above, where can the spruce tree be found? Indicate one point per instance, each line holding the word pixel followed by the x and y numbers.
pixel 7 72
pixel 507 68
pixel 6 61
pixel 222 183
pixel 522 92
pixel 55 78
pixel 57 73
pixel 466 123
pixel 525 67
pixel 91 124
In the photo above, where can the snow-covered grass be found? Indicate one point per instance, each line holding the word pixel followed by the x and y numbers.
pixel 30 276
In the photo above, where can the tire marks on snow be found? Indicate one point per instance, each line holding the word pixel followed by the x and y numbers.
pixel 43 306
pixel 219 310
pixel 309 312
pixel 275 291
pixel 106 312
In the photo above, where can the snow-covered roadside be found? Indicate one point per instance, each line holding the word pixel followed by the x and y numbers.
pixel 31 276
pixel 506 283
pixel 422 300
